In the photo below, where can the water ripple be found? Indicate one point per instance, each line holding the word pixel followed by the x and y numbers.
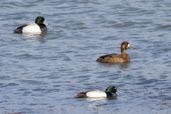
pixel 42 74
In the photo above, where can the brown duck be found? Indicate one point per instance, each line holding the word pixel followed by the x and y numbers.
pixel 116 58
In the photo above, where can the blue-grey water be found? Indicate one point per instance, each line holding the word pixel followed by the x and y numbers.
pixel 42 74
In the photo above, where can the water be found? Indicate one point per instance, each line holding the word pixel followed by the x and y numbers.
pixel 42 74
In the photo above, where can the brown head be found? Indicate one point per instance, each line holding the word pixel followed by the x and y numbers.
pixel 124 46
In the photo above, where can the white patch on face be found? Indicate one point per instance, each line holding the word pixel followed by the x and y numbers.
pixel 128 46
pixel 32 28
pixel 96 94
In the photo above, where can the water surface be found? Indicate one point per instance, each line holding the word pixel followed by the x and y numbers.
pixel 42 74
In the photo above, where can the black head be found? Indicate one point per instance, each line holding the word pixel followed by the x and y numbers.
pixel 111 89
pixel 39 20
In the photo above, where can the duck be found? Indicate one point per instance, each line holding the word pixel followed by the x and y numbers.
pixel 33 28
pixel 110 92
pixel 117 58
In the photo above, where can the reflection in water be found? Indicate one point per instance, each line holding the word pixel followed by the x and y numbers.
pixel 34 35
pixel 16 113
pixel 120 65
pixel 97 99
pixel 38 37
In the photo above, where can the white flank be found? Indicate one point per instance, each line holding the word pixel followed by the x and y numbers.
pixel 31 28
pixel 96 94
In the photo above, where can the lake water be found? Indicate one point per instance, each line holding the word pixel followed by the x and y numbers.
pixel 42 74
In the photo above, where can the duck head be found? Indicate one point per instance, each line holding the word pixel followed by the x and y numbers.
pixel 111 89
pixel 125 45
pixel 39 20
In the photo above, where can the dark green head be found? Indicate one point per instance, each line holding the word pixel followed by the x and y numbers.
pixel 39 20
pixel 111 89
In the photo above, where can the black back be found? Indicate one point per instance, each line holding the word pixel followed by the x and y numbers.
pixel 19 29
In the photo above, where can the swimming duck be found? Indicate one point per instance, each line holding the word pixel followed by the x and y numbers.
pixel 116 58
pixel 108 93
pixel 33 28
